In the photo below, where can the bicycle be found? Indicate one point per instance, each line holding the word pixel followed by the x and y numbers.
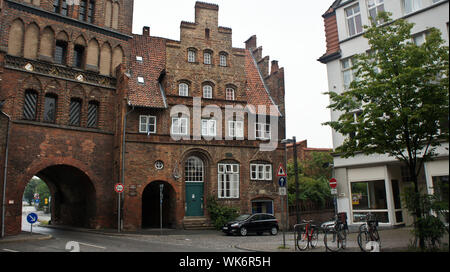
pixel 308 235
pixel 368 237
pixel 335 237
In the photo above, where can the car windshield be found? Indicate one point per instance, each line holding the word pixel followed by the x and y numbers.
pixel 242 217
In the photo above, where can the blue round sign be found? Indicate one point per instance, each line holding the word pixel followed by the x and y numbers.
pixel 32 218
pixel 282 181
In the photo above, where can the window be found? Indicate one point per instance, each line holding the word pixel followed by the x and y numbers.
pixel 78 53
pixel 208 127
pixel 140 80
pixel 206 33
pixel 262 131
pixel 440 190
pixel 179 126
pixel 183 89
pixel 420 38
pixel 92 121
pixel 139 59
pixel 75 112
pixel 207 57
pixel 411 5
pixel 50 108
pixel 369 196
pixel 230 94
pixel 223 60
pixel 236 129
pixel 375 7
pixel 147 124
pixel 30 105
pixel 260 171
pixel 228 180
pixel 348 74
pixel 207 91
pixel 60 6
pixel 354 23
pixel 91 11
pixel 82 10
pixel 193 170
pixel 60 52
pixel 356 115
pixel 191 55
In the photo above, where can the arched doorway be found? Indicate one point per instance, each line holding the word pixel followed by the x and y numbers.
pixel 73 201
pixel 151 205
pixel 194 180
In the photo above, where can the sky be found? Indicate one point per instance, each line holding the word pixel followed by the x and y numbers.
pixel 290 31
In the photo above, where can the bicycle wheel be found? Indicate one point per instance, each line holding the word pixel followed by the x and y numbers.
pixel 314 238
pixel 302 240
pixel 331 240
pixel 363 239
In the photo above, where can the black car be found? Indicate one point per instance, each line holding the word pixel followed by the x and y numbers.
pixel 259 223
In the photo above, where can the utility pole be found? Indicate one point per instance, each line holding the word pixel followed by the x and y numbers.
pixel 297 192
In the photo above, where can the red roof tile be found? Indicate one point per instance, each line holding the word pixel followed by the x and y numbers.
pixel 153 53
pixel 257 92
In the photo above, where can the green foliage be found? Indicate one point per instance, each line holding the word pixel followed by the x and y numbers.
pixel 427 226
pixel 313 179
pixel 36 185
pixel 220 214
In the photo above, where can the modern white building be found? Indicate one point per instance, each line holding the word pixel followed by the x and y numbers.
pixel 375 183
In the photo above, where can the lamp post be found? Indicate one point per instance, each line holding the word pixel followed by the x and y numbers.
pixel 297 190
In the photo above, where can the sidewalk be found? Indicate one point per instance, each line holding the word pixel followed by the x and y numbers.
pixel 25 237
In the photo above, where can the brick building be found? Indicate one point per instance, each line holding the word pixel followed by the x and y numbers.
pixel 92 104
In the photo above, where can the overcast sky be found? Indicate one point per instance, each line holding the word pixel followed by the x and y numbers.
pixel 290 31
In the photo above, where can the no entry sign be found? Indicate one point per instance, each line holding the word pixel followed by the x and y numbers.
pixel 119 188
pixel 333 183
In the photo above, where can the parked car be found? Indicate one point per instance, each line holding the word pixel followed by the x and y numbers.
pixel 258 223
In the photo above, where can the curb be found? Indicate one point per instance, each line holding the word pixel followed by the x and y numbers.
pixel 36 237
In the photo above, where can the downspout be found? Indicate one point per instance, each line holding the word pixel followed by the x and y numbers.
pixel 4 174
pixel 123 159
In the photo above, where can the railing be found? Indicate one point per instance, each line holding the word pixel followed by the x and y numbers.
pixel 59 71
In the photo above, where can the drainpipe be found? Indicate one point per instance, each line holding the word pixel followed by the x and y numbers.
pixel 4 174
pixel 123 157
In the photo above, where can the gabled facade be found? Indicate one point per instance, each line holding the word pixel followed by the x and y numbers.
pixel 92 105
pixel 374 183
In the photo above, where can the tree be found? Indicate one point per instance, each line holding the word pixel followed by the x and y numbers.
pixel 398 104
pixel 313 179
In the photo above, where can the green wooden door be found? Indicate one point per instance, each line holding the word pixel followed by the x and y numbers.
pixel 194 199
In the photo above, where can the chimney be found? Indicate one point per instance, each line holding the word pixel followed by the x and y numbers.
pixel 274 67
pixel 251 42
pixel 146 31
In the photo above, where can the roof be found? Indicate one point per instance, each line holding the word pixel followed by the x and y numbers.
pixel 153 52
pixel 257 92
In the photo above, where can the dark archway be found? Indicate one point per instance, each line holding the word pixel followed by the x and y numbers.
pixel 151 206
pixel 73 196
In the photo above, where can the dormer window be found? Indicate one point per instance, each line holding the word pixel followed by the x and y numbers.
pixel 140 80
pixel 139 59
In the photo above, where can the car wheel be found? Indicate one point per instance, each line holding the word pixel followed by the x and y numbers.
pixel 274 231
pixel 243 231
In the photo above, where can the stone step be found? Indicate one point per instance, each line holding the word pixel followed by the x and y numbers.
pixel 196 223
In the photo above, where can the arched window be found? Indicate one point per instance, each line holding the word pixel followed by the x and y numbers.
pixel 230 94
pixel 30 105
pixel 50 108
pixel 207 57
pixel 86 10
pixel 207 91
pixel 193 170
pixel 223 59
pixel 15 41
pixel 75 112
pixel 191 55
pixel 183 89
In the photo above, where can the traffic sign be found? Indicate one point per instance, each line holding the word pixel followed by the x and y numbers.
pixel 334 191
pixel 282 181
pixel 119 188
pixel 333 183
pixel 281 172
pixel 282 191
pixel 32 218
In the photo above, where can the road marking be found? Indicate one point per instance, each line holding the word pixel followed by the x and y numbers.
pixel 9 250
pixel 89 245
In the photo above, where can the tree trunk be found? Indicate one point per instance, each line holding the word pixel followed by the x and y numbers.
pixel 418 210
